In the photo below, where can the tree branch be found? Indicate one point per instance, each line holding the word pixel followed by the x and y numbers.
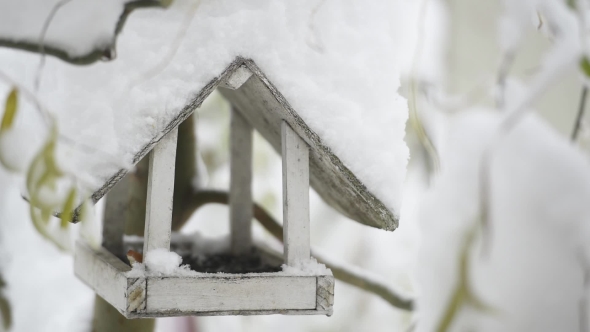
pixel 85 59
pixel 5 311
pixel 348 274
pixel 580 115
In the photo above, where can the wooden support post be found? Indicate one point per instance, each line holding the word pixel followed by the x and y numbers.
pixel 113 226
pixel 240 193
pixel 158 217
pixel 295 153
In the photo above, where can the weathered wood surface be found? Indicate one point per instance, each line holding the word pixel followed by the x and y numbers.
pixel 112 228
pixel 296 232
pixel 184 113
pixel 231 293
pixel 237 78
pixel 104 273
pixel 265 108
pixel 325 294
pixel 240 192
pixel 158 217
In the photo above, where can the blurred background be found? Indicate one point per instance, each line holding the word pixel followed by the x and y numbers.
pixel 439 43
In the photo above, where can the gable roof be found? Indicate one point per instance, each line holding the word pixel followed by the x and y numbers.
pixel 265 107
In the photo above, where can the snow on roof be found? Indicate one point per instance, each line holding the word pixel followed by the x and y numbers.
pixel 336 65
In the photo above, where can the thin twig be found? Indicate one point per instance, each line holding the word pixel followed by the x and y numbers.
pixel 341 272
pixel 5 309
pixel 165 61
pixel 45 114
pixel 47 119
pixel 313 40
pixel 48 21
pixel 583 304
pixel 581 110
pixel 413 102
pixel 352 275
pixel 503 70
pixel 514 115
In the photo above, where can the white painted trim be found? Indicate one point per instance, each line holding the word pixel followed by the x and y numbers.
pixel 240 193
pixel 216 293
pixel 158 217
pixel 296 232
pixel 237 78
pixel 103 272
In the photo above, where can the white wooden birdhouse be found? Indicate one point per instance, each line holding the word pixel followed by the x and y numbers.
pixel 257 104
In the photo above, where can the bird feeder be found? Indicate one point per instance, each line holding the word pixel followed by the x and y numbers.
pixel 257 104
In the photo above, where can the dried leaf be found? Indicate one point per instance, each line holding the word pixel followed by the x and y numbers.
pixel 67 213
pixel 43 174
pixel 9 110
pixel 571 4
pixel 463 294
pixel 5 311
pixel 585 66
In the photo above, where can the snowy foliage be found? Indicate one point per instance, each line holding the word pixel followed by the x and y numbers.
pixel 527 267
pixel 77 27
pixel 519 190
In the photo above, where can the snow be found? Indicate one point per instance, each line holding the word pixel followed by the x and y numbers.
pixel 79 27
pixel 345 91
pixel 162 261
pixel 43 291
pixel 308 268
pixel 67 304
pixel 83 98
pixel 531 275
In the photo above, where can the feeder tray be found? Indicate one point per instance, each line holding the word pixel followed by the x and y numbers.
pixel 208 294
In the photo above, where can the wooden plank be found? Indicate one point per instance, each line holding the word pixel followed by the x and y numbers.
pixel 231 293
pixel 158 218
pixel 296 232
pixel 265 108
pixel 159 314
pixel 104 273
pixel 237 78
pixel 240 193
pixel 113 227
pixel 325 294
pixel 136 294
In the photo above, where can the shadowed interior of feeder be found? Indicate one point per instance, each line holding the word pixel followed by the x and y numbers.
pixel 228 263
pixel 255 261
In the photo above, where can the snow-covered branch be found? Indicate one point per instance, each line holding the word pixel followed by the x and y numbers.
pixel 79 31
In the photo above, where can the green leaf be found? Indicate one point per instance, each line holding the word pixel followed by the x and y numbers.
pixel 571 4
pixel 67 213
pixel 463 294
pixel 9 110
pixel 585 66
pixel 5 311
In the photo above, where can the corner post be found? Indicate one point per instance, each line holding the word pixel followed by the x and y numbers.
pixel 158 217
pixel 113 226
pixel 240 193
pixel 296 231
